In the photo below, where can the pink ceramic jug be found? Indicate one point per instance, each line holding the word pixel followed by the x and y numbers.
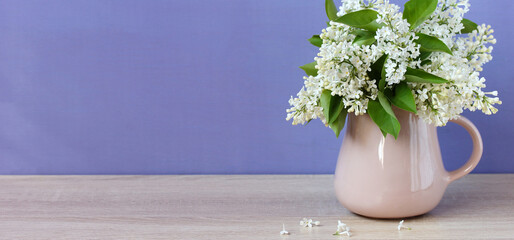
pixel 387 178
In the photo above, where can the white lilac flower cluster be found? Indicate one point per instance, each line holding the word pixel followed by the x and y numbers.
pixel 438 103
pixel 401 226
pixel 309 223
pixel 343 67
pixel 342 228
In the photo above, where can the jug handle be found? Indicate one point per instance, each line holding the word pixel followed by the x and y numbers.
pixel 477 149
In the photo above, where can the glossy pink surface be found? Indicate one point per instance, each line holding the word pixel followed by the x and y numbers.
pixel 387 178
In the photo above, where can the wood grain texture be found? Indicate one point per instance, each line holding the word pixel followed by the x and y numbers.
pixel 233 207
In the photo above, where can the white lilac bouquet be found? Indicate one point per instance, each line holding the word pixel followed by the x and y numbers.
pixel 371 56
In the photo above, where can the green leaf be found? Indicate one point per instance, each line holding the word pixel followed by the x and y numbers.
pixel 385 103
pixel 363 37
pixel 469 26
pixel 424 55
pixel 310 69
pixel 425 62
pixel 325 99
pixel 364 40
pixel 364 19
pixel 338 124
pixel 333 109
pixel 431 44
pixel 382 82
pixel 420 76
pixel 376 68
pixel 331 9
pixel 383 71
pixel 332 105
pixel 316 40
pixel 403 97
pixel 383 132
pixel 382 114
pixel 417 11
pixel 360 32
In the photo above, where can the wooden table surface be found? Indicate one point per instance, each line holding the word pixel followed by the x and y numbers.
pixel 233 207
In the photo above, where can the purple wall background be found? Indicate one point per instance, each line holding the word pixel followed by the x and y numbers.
pixel 156 87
